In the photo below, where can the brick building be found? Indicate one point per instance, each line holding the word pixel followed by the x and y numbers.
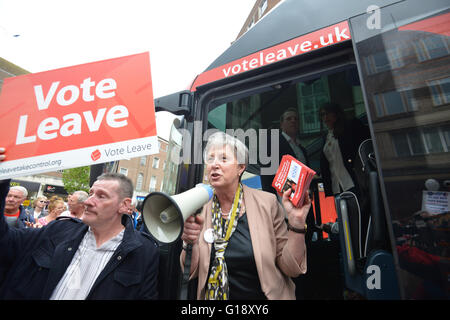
pixel 260 8
pixel 148 172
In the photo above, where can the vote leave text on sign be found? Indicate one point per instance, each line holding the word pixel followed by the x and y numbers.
pixel 81 115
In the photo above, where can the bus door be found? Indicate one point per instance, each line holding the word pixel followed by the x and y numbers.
pixel 250 109
pixel 402 52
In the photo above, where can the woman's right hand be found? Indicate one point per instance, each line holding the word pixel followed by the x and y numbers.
pixel 192 228
pixel 2 156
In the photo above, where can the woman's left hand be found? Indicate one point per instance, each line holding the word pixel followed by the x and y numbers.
pixel 296 216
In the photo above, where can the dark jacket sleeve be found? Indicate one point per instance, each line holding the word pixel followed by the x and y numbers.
pixel 4 189
pixel 4 266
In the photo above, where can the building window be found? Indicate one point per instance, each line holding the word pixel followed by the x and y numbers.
pixel 312 95
pixel 446 133
pixel 383 61
pixel 139 181
pixel 431 47
pixel 152 186
pixel 440 91
pixel 251 24
pixel 155 163
pixel 380 62
pixel 123 171
pixel 433 140
pixel 422 141
pixel 143 161
pixel 395 102
pixel 262 8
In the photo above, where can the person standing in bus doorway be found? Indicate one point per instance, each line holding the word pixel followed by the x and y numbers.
pixel 340 150
pixel 288 144
pixel 233 254
pixel 337 167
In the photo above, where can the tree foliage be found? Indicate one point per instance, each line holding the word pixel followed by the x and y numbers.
pixel 76 179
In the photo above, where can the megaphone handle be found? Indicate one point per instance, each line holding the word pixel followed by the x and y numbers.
pixel 187 271
pixel 187 267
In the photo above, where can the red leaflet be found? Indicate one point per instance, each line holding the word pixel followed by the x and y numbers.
pixel 293 174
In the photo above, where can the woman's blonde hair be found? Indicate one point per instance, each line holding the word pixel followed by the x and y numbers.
pixel 54 201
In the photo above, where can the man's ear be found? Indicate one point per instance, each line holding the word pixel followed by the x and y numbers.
pixel 125 205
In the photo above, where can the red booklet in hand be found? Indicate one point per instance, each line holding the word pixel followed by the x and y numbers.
pixel 293 174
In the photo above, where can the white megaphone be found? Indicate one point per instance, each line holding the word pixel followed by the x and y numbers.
pixel 164 215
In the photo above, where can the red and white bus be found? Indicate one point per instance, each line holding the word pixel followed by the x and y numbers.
pixel 386 62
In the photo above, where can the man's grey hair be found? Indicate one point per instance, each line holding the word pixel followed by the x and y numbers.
pixel 21 189
pixel 81 196
pixel 125 184
pixel 221 139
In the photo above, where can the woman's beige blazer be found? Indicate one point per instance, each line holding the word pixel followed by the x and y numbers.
pixel 268 231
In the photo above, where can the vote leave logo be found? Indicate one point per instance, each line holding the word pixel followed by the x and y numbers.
pixel 95 155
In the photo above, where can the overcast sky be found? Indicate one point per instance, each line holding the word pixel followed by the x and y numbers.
pixel 183 37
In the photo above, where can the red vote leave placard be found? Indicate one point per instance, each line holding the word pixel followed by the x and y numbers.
pixel 91 113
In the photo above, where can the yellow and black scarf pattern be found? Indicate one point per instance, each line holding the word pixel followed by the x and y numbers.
pixel 217 287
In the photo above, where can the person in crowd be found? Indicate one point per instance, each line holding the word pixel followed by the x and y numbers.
pixel 14 213
pixel 75 202
pixel 135 214
pixel 242 248
pixel 102 257
pixel 55 207
pixel 38 208
pixel 139 221
pixel 340 150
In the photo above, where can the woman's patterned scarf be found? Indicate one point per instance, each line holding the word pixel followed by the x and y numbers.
pixel 217 287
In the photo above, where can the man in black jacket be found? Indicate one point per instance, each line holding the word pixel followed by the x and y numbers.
pixel 288 144
pixel 102 257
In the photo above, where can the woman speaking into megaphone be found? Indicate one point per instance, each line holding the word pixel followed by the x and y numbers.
pixel 241 246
